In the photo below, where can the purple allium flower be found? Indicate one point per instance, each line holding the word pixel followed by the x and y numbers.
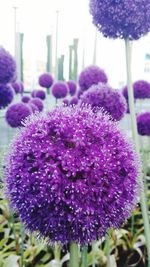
pixel 46 80
pixel 40 94
pixel 72 87
pixel 71 175
pixel 60 89
pixel 141 89
pixel 6 95
pixel 16 113
pixel 103 96
pixel 73 101
pixel 33 93
pixel 7 67
pixel 143 123
pixel 25 99
pixel 66 102
pixel 91 75
pixel 17 87
pixel 121 18
pixel 38 102
pixel 33 107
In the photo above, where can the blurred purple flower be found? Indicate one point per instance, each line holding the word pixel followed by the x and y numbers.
pixel 91 75
pixel 6 95
pixel 103 96
pixel 60 89
pixel 143 123
pixel 73 101
pixel 16 114
pixel 17 87
pixel 40 94
pixel 46 80
pixel 121 18
pixel 25 99
pixel 71 175
pixel 7 67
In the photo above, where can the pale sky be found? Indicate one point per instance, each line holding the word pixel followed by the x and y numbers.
pixel 37 18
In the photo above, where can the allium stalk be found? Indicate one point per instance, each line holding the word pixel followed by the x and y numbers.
pixel 108 250
pixel 135 136
pixel 84 256
pixel 74 258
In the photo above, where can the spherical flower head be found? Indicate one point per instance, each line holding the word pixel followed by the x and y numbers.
pixel 60 89
pixel 143 123
pixel 79 93
pixel 33 107
pixel 71 175
pixel 40 94
pixel 103 96
pixel 73 101
pixel 141 89
pixel 121 18
pixel 16 114
pixel 37 102
pixel 17 87
pixel 33 93
pixel 25 99
pixel 72 87
pixel 91 75
pixel 46 80
pixel 7 67
pixel 6 95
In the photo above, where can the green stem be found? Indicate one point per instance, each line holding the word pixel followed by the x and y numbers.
pixel 93 254
pixel 84 256
pixel 135 137
pixel 74 259
pixel 108 250
pixel 22 246
pixel 57 252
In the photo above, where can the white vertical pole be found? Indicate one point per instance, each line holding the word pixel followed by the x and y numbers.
pixel 56 46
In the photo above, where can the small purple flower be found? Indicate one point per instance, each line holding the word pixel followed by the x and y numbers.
pixel 17 87
pixel 143 123
pixel 6 95
pixel 121 18
pixel 40 94
pixel 25 99
pixel 60 89
pixel 141 89
pixel 79 93
pixel 103 96
pixel 72 87
pixel 37 102
pixel 17 113
pixel 33 93
pixel 91 75
pixel 73 101
pixel 71 175
pixel 7 67
pixel 46 80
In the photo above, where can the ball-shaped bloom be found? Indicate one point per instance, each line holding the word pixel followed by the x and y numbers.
pixel 6 95
pixel 121 18
pixel 33 107
pixel 73 101
pixel 17 87
pixel 71 174
pixel 91 75
pixel 17 113
pixel 72 87
pixel 60 89
pixel 143 123
pixel 46 80
pixel 7 67
pixel 103 96
pixel 25 99
pixel 40 94
pixel 141 89
pixel 79 93
pixel 37 102
pixel 33 93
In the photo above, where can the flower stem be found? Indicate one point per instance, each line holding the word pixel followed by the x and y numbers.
pixel 57 252
pixel 84 256
pixel 108 250
pixel 74 259
pixel 135 137
pixel 93 254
